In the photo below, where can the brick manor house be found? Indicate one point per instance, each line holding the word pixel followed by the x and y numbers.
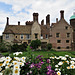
pixel 60 34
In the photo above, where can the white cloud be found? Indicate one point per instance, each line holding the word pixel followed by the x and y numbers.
pixel 43 7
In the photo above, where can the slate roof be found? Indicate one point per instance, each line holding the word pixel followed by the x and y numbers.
pixel 23 29
pixel 17 29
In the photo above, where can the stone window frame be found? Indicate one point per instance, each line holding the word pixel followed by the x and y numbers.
pixel 67 35
pixel 67 41
pixel 36 35
pixel 21 36
pixel 46 36
pixel 27 36
pixel 41 36
pixel 58 35
pixel 7 36
pixel 58 41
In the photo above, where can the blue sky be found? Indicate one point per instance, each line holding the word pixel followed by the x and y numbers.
pixel 22 10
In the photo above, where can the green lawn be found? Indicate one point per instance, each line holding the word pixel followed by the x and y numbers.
pixel 46 54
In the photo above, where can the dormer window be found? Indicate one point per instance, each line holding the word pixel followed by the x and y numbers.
pixel 7 36
pixel 21 36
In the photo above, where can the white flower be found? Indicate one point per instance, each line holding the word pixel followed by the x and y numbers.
pixel 63 58
pixel 23 59
pixel 73 59
pixel 7 62
pixel 6 67
pixel 59 69
pixel 20 52
pixel 0 68
pixel 30 72
pixel 60 63
pixel 72 66
pixel 72 62
pixel 15 63
pixel 57 58
pixel 17 58
pixel 17 53
pixel 16 67
pixel 68 67
pixel 67 62
pixel 58 73
pixel 60 56
pixel 8 58
pixel 1 73
pixel 16 72
pixel 22 64
pixel 56 66
pixel 66 55
pixel 56 69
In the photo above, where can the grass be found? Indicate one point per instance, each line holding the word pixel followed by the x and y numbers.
pixel 45 54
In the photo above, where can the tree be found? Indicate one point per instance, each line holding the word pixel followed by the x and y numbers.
pixel 49 46
pixel 35 44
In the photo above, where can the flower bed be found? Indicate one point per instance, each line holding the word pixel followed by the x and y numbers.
pixel 62 65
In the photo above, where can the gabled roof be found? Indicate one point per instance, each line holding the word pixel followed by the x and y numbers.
pixel 23 29
pixel 53 24
pixel 18 29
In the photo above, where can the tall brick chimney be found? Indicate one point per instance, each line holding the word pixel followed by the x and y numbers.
pixel 18 22
pixel 35 17
pixel 7 21
pixel 42 22
pixel 61 14
pixel 48 19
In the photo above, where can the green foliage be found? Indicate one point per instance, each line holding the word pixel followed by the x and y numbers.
pixel 16 47
pixel 49 46
pixel 35 44
pixel 4 46
pixel 7 71
pixel 29 51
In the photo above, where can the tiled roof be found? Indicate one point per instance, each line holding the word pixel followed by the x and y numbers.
pixel 44 29
pixel 18 29
pixel 63 20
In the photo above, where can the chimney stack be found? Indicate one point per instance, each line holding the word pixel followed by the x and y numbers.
pixel 7 21
pixel 18 22
pixel 61 14
pixel 56 20
pixel 48 19
pixel 35 17
pixel 42 22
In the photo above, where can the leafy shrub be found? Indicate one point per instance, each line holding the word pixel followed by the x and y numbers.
pixel 4 46
pixel 16 47
pixel 49 46
pixel 35 44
